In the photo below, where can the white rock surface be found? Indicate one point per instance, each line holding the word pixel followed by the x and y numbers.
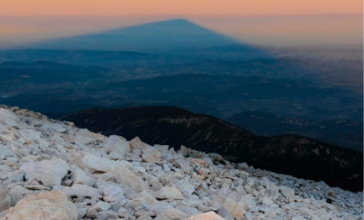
pixel 43 206
pixel 5 199
pixel 116 147
pixel 83 175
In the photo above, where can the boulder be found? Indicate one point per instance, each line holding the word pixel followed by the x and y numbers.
pixel 8 118
pixel 78 176
pixel 55 167
pixel 206 216
pixel 116 147
pixel 49 180
pixel 82 190
pixel 183 164
pixel 6 152
pixel 112 192
pixel 126 177
pixel 151 156
pixel 169 192
pixel 52 205
pixel 16 176
pixel 84 136
pixel 136 143
pixel 5 199
pixel 184 151
pixel 172 214
pixel 95 164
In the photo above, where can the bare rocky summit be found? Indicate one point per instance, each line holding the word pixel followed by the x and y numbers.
pixel 53 170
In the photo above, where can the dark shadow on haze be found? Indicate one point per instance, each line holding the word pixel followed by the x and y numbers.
pixel 174 63
pixel 177 37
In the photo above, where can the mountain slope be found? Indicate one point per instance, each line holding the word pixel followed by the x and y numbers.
pixel 289 154
pixel 346 133
pixel 52 170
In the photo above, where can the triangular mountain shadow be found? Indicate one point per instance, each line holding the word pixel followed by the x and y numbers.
pixel 163 36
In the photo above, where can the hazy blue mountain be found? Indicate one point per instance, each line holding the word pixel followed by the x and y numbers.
pixel 340 132
pixel 163 36
pixel 177 36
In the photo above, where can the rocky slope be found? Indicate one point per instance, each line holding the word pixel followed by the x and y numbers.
pixel 288 154
pixel 53 170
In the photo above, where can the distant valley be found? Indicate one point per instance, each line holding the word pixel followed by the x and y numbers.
pixel 186 65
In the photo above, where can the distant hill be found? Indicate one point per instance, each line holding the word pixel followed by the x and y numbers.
pixel 346 133
pixel 289 154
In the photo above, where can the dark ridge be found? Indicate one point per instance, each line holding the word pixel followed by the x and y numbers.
pixel 287 154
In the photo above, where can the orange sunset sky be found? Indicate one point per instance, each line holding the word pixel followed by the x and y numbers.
pixel 195 7
pixel 289 21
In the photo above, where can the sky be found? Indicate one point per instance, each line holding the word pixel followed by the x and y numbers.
pixel 264 22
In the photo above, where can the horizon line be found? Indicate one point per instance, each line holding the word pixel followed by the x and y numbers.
pixel 182 16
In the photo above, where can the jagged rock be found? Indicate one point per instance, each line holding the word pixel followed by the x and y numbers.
pixel 82 190
pixel 184 151
pixel 112 192
pixel 16 176
pixel 236 209
pixel 151 156
pixel 8 118
pixel 243 166
pixel 206 216
pixel 286 191
pixel 225 213
pixel 101 206
pixel 126 177
pixel 188 210
pixel 106 215
pixel 84 136
pixel 136 143
pixel 116 147
pixel 5 152
pixel 186 188
pixel 5 199
pixel 172 214
pixel 169 192
pixel 43 206
pixel 78 176
pixel 200 162
pixel 17 193
pixel 56 167
pixel 183 164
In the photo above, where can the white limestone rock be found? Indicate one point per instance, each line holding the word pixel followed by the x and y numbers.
pixel 43 206
pixel 5 199
pixel 78 176
pixel 112 192
pixel 16 176
pixel 8 118
pixel 206 216
pixel 136 143
pixel 172 214
pixel 116 147
pixel 6 152
pixel 151 156
pixel 169 192
pixel 55 167
pixel 82 190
